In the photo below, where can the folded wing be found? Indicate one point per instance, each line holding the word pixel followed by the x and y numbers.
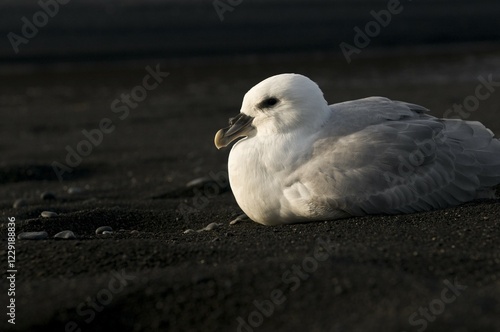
pixel 383 156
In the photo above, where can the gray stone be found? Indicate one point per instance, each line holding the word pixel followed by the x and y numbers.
pixel 199 182
pixel 75 190
pixel 66 235
pixel 18 203
pixel 32 236
pixel 210 227
pixel 48 214
pixel 103 229
pixel 238 219
pixel 48 196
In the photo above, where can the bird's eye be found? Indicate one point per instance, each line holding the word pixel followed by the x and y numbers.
pixel 269 102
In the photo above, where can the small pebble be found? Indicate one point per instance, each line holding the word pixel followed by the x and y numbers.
pixel 134 232
pixel 67 235
pixel 198 182
pixel 75 190
pixel 19 203
pixel 210 227
pixel 238 219
pixel 48 214
pixel 32 236
pixel 103 229
pixel 47 196
pixel 107 232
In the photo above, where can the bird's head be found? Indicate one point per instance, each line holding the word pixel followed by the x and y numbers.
pixel 278 105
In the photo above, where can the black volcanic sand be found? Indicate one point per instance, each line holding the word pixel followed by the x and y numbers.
pixel 436 270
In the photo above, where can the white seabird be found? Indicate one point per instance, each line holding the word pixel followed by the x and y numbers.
pixel 299 159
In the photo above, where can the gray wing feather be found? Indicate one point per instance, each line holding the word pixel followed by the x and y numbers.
pixel 391 157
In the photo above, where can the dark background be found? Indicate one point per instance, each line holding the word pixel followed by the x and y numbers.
pixel 87 30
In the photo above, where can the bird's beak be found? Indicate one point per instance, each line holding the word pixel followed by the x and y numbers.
pixel 239 126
